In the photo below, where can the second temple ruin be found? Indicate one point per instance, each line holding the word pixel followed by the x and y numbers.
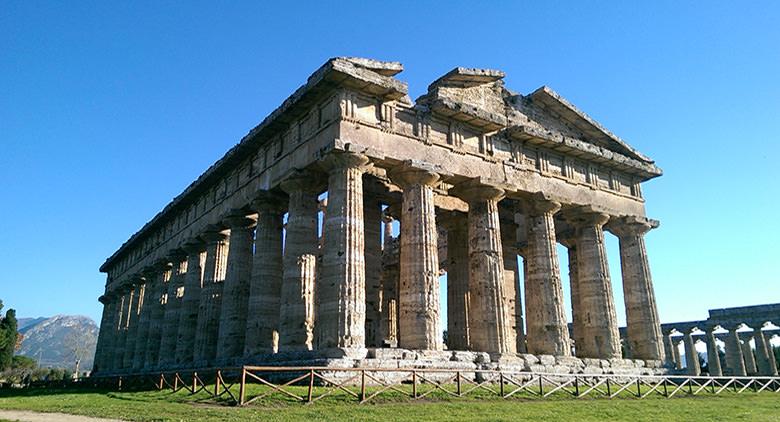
pixel 283 252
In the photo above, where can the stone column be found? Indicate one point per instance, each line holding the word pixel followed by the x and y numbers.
pixel 713 357
pixel 211 297
pixel 103 349
pixel 142 332
pixel 677 358
pixel 235 290
pixel 669 349
pixel 569 240
pixel 188 318
pixel 511 282
pixel 488 313
pixel 172 315
pixel 117 361
pixel 372 215
pixel 601 338
pixel 157 304
pixel 341 318
pixel 764 361
pixel 546 328
pixel 419 318
pixel 642 322
pixel 691 355
pixel 390 279
pixel 750 360
pixel 133 310
pixel 267 273
pixel 734 359
pixel 519 318
pixel 457 280
pixel 300 242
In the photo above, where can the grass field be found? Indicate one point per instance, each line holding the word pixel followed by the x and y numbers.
pixel 166 405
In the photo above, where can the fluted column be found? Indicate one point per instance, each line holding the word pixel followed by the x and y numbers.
pixel 669 349
pixel 211 297
pixel 188 317
pixel 691 355
pixel 419 317
pixel 569 240
pixel 172 315
pixel 488 313
pixel 117 361
pixel 713 357
pixel 300 242
pixel 511 282
pixel 546 327
pixel 734 358
pixel 133 310
pixel 144 316
pixel 601 338
pixel 235 290
pixel 267 273
pixel 390 279
pixel 457 280
pixel 103 349
pixel 157 304
pixel 750 359
pixel 764 361
pixel 642 322
pixel 677 357
pixel 341 289
pixel 372 214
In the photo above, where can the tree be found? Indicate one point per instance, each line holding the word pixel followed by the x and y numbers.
pixel 8 333
pixel 76 348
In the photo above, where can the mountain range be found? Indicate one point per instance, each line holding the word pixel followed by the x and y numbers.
pixel 59 341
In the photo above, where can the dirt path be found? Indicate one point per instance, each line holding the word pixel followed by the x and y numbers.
pixel 28 416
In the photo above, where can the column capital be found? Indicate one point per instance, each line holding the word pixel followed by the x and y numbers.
pixel 177 255
pixel 213 233
pixel 237 219
pixel 193 246
pixel 584 216
pixel 339 160
pixel 413 172
pixel 540 204
pixel 302 181
pixel 631 226
pixel 452 219
pixel 475 190
pixel 269 201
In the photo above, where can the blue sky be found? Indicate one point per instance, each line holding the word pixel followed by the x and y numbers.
pixel 110 109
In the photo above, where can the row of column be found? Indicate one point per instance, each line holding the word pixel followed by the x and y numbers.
pixel 215 302
pixel 740 358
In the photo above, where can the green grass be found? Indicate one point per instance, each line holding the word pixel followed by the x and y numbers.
pixel 167 405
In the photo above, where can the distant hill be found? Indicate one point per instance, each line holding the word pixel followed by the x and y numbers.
pixel 57 341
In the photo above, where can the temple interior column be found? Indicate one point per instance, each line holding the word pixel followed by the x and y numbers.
pixel 390 279
pixel 511 281
pixel 300 242
pixel 267 273
pixel 341 290
pixel 578 331
pixel 601 338
pixel 117 361
pixel 669 349
pixel 713 357
pixel 235 291
pixel 457 280
pixel 188 316
pixel 764 362
pixel 157 304
pixel 691 355
pixel 167 354
pixel 546 327
pixel 145 298
pixel 372 214
pixel 211 297
pixel 132 325
pixel 419 318
pixel 642 322
pixel 677 358
pixel 747 355
pixel 520 336
pixel 488 313
pixel 734 359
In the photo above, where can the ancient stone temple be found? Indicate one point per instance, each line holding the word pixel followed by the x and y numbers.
pixel 283 252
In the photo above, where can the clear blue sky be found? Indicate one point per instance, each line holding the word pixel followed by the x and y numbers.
pixel 110 109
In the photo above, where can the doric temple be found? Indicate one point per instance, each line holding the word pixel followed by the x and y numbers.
pixel 285 250
pixel 736 328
